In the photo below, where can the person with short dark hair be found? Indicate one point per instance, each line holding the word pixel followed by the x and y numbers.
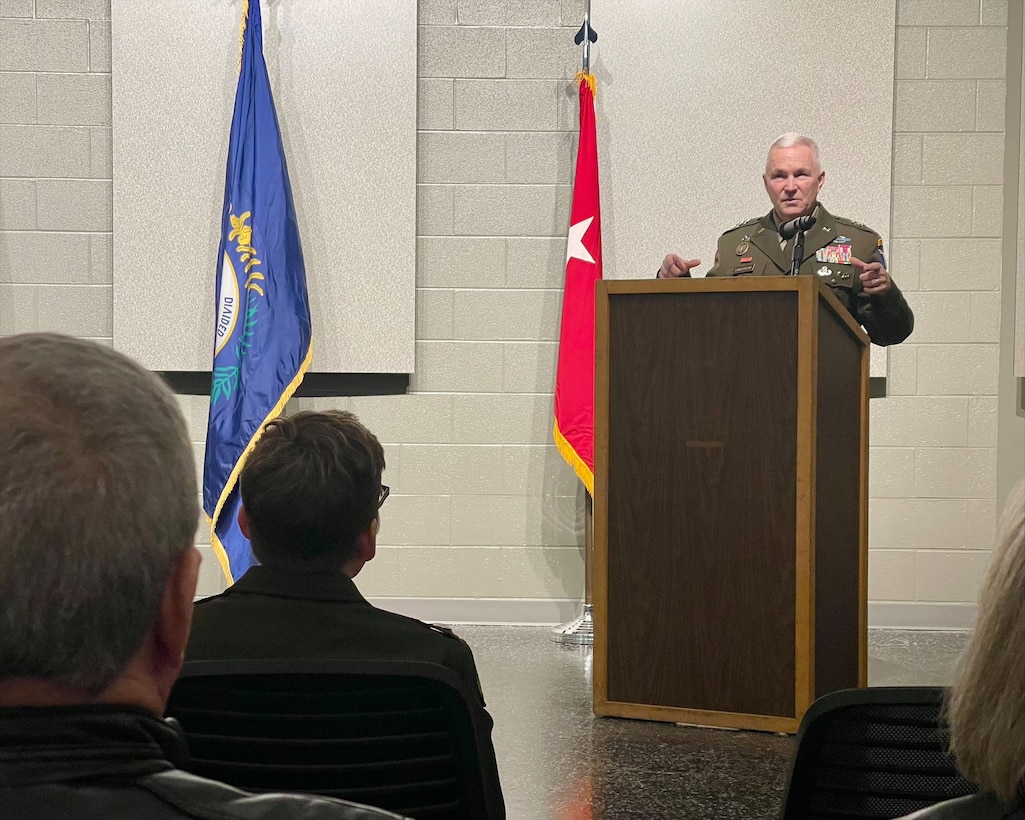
pixel 311 494
pixel 98 570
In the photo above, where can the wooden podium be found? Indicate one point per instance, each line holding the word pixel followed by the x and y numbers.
pixel 730 504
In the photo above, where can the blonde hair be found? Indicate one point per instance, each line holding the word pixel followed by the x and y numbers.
pixel 986 707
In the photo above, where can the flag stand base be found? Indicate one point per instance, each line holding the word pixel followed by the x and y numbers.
pixel 579 631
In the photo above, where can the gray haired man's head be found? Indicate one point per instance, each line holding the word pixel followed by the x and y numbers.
pixel 791 139
pixel 98 501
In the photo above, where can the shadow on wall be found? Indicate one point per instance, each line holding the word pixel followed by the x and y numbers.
pixel 561 557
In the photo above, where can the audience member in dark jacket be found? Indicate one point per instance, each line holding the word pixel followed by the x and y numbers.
pixel 98 509
pixel 986 709
pixel 311 496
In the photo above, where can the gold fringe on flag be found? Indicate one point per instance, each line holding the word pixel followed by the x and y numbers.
pixel 581 77
pixel 576 462
pixel 229 485
pixel 242 32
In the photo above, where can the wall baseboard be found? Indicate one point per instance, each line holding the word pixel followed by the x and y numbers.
pixel 511 611
pixel 551 611
pixel 913 615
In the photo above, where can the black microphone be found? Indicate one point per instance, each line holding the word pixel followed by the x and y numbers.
pixel 790 229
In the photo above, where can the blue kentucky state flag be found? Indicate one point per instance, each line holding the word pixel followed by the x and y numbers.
pixel 263 340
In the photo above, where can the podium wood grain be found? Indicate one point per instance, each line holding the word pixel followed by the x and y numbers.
pixel 730 472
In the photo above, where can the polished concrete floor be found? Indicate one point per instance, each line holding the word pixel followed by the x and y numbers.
pixel 560 762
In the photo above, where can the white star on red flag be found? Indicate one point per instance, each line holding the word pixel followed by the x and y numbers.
pixel 575 241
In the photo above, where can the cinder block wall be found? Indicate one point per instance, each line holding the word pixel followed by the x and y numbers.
pixel 934 465
pixel 484 522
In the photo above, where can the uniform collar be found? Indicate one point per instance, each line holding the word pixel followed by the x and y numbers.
pixel 824 232
pixel 319 586
pixel 766 237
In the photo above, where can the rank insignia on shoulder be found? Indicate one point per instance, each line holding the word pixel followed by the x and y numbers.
pixel 743 224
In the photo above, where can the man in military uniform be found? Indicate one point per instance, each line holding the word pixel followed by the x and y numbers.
pixel 311 497
pixel 846 254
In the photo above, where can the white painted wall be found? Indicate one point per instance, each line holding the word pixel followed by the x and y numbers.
pixel 343 75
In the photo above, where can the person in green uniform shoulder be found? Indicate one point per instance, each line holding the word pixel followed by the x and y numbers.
pixel 847 255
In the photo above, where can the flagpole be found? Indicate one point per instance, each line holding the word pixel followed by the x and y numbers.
pixel 580 631
pixel 585 35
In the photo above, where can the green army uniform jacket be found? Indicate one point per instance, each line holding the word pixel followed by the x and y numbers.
pixel 752 249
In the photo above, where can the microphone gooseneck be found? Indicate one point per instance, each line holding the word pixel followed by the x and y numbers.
pixel 790 229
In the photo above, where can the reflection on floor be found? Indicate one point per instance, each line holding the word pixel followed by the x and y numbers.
pixel 560 762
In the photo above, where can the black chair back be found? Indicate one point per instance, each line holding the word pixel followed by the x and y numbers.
pixel 872 754
pixel 398 735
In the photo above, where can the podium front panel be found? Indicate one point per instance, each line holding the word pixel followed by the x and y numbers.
pixel 713 454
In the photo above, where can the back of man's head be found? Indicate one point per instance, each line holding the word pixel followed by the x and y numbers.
pixel 98 502
pixel 309 488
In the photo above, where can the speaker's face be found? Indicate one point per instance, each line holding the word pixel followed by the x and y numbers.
pixel 793 181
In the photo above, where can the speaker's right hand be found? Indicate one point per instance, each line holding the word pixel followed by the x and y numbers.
pixel 673 267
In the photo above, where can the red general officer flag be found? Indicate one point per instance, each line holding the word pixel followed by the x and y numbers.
pixel 574 380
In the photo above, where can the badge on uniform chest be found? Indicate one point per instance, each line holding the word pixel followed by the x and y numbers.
pixel 746 265
pixel 837 253
pixel 833 276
